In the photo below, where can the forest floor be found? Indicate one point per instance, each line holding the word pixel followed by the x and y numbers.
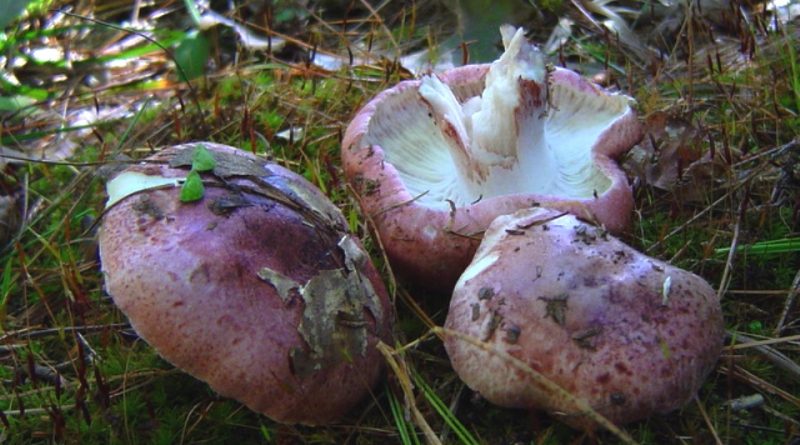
pixel 87 86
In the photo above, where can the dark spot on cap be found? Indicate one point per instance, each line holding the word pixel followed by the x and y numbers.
pixel 145 206
pixel 617 398
pixel 512 333
pixel 619 366
pixel 476 311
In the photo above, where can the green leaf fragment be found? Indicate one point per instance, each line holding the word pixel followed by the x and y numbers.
pixel 191 56
pixel 202 159
pixel 192 189
pixel 15 103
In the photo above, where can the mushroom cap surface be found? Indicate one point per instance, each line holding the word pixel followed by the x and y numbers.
pixel 256 289
pixel 435 161
pixel 629 334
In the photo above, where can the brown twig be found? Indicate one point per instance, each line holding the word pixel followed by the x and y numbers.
pixel 746 376
pixel 707 420
pixel 754 343
pixel 726 274
pixel 774 356
pixel 30 333
pixel 403 377
pixel 787 306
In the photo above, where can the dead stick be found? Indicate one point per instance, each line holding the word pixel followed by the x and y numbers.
pixel 787 306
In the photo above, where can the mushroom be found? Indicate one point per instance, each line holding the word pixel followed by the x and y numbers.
pixel 256 288
pixel 435 160
pixel 629 334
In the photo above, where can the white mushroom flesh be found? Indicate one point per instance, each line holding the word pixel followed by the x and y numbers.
pixel 450 148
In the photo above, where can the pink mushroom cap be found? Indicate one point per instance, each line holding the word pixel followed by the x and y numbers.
pixel 629 335
pixel 257 288
pixel 435 161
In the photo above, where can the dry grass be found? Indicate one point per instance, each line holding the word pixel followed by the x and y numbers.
pixel 716 175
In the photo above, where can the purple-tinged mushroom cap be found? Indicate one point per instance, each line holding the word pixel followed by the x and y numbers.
pixel 630 335
pixel 436 160
pixel 256 288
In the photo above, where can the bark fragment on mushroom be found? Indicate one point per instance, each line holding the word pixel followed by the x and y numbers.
pixel 257 288
pixel 436 160
pixel 630 335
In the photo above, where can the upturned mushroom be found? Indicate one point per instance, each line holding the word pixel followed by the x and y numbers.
pixel 435 160
pixel 253 285
pixel 628 334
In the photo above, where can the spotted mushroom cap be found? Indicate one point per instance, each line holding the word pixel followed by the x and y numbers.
pixel 256 289
pixel 629 334
pixel 436 160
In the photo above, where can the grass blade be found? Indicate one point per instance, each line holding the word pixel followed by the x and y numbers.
pixel 771 247
pixel 444 411
pixel 407 434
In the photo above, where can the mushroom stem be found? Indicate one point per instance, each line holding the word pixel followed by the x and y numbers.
pixel 497 139
pixel 514 87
